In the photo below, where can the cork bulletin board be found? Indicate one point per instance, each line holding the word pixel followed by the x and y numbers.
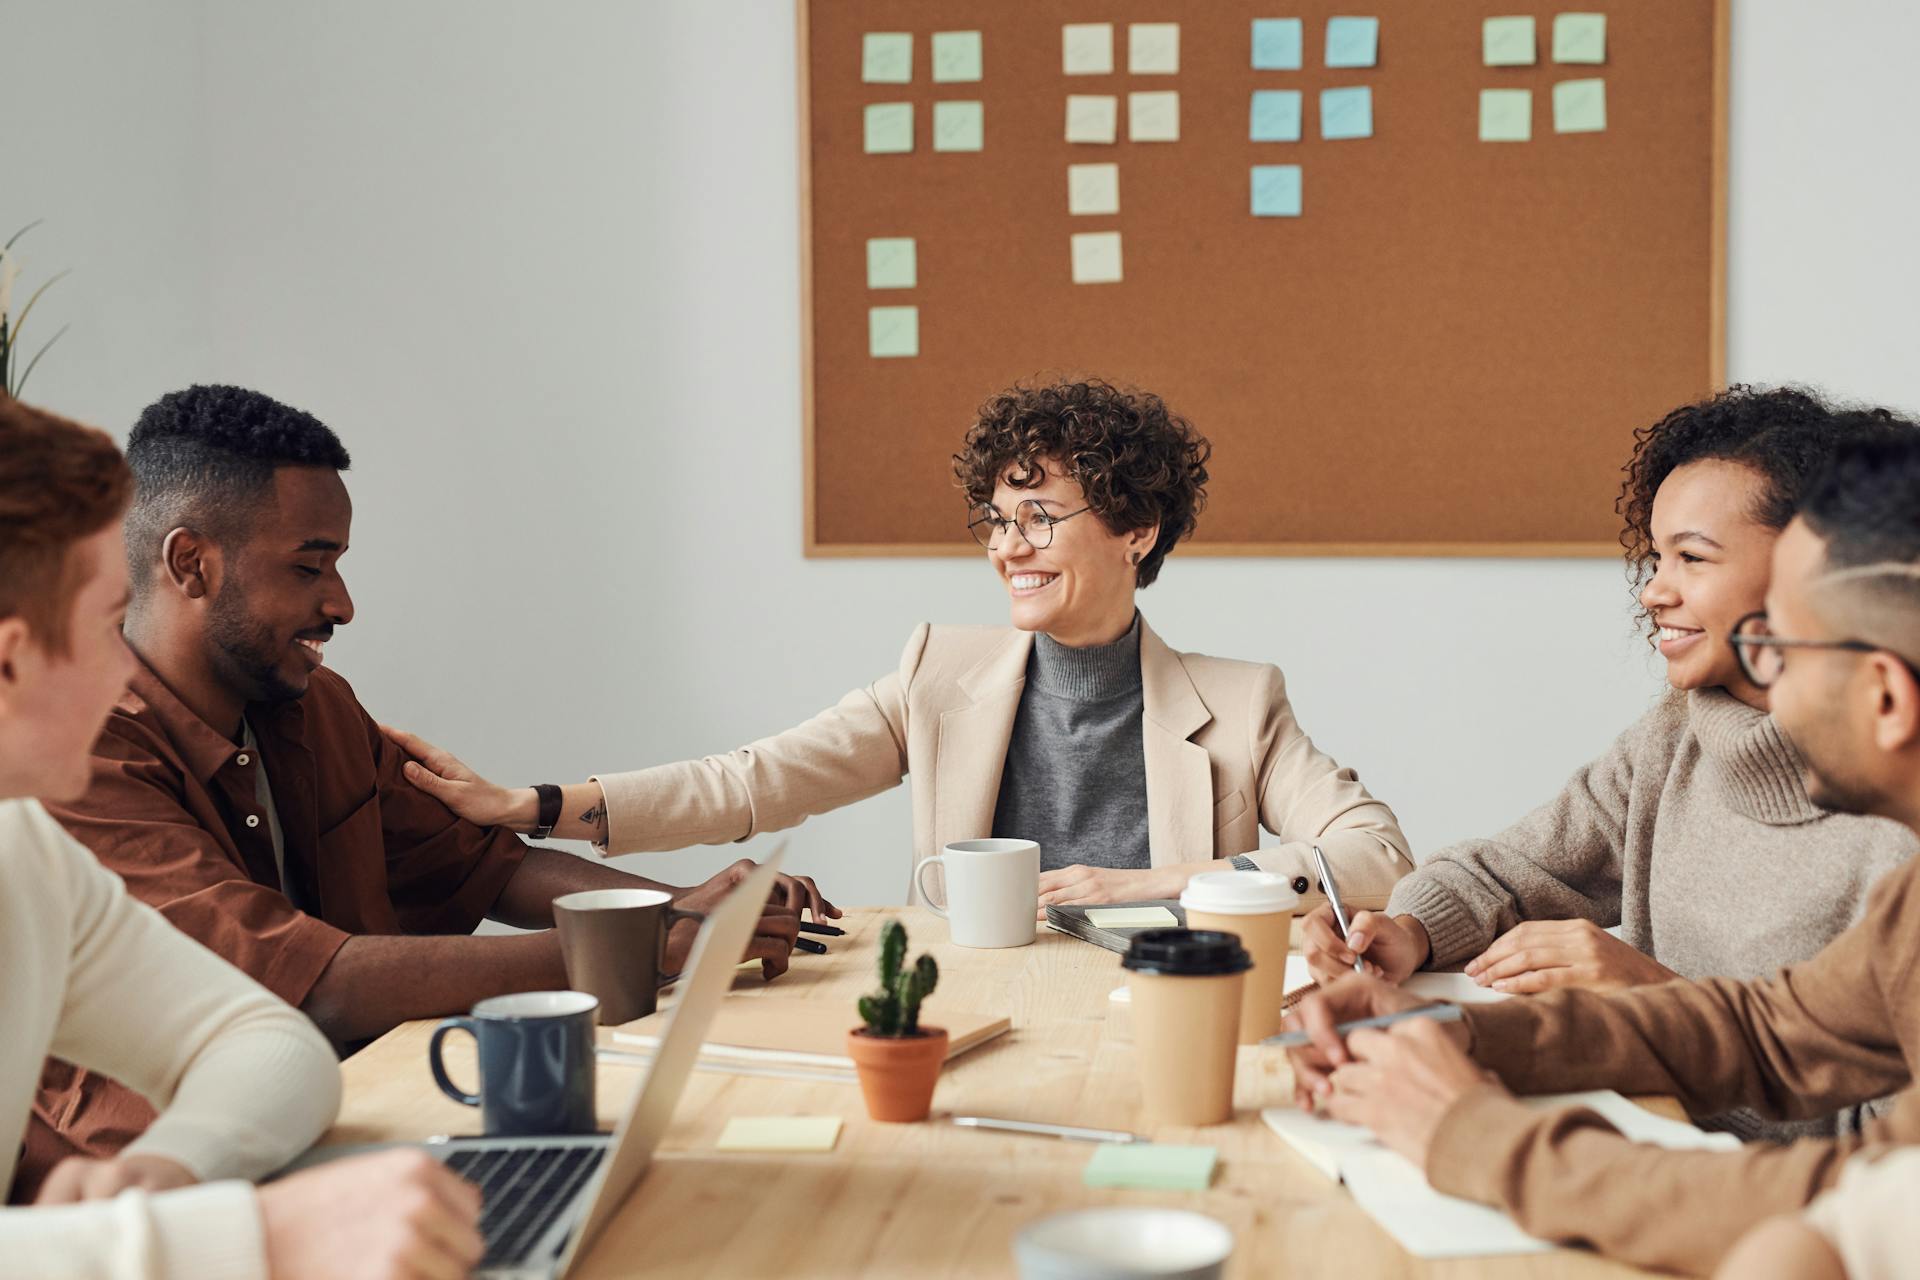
pixel 1417 268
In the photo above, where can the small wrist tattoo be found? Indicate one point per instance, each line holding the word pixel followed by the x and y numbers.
pixel 595 816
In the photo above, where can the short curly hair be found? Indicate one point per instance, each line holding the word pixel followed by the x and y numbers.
pixel 1138 462
pixel 1786 435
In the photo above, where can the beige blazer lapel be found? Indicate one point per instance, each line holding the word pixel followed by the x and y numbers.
pixel 1179 772
pixel 972 751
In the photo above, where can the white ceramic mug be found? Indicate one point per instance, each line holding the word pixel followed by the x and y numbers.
pixel 993 891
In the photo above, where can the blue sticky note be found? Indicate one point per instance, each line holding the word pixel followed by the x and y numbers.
pixel 1346 113
pixel 1154 1166
pixel 1276 116
pixel 1353 42
pixel 1276 44
pixel 1276 191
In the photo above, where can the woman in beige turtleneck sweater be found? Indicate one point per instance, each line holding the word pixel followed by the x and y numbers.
pixel 1693 834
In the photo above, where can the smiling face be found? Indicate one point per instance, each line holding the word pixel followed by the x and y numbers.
pixel 1711 562
pixel 1078 589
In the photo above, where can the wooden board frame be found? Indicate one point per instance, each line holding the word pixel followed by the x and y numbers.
pixel 814 548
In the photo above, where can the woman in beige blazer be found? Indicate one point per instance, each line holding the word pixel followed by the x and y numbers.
pixel 1134 765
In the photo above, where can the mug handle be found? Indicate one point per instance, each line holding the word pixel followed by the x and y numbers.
pixel 674 916
pixel 920 884
pixel 440 1077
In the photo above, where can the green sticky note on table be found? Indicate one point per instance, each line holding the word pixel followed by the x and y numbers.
pixel 889 128
pixel 1132 918
pixel 956 57
pixel 1580 106
pixel 959 126
pixel 1580 37
pixel 886 57
pixel 1507 42
pixel 892 263
pixel 1150 1166
pixel 780 1133
pixel 1506 115
pixel 893 331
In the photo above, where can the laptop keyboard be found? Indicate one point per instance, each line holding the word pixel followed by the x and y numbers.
pixel 522 1190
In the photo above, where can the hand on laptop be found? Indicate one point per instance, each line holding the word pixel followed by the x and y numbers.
pixel 1393 947
pixel 382 1217
pixel 80 1178
pixel 1343 1000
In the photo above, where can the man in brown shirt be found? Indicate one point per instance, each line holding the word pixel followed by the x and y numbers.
pixel 240 788
pixel 1839 650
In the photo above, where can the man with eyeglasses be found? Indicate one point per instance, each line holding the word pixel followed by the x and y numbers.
pixel 1839 652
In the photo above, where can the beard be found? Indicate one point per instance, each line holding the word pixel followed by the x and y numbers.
pixel 245 650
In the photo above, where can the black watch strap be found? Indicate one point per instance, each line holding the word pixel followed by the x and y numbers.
pixel 549 798
pixel 1241 862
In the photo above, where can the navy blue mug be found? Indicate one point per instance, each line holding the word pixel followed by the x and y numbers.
pixel 536 1063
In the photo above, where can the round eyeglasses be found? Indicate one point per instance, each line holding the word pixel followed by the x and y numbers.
pixel 1035 522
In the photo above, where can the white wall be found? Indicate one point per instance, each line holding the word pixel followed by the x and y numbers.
pixel 537 265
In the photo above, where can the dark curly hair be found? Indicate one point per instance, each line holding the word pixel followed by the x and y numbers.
pixel 1787 436
pixel 204 457
pixel 1138 462
pixel 1866 505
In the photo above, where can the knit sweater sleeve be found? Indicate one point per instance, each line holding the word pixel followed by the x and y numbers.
pixel 1562 861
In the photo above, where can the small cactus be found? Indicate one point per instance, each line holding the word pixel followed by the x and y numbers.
pixel 894 1010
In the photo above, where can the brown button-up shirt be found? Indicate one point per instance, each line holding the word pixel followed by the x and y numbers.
pixel 173 809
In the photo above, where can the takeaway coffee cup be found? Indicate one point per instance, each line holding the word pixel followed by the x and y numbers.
pixel 614 944
pixel 1186 986
pixel 536 1063
pixel 993 891
pixel 1258 906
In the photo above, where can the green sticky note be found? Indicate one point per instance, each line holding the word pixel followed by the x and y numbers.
pixel 1276 191
pixel 958 126
pixel 893 331
pixel 1580 106
pixel 886 57
pixel 889 128
pixel 1580 37
pixel 1507 42
pixel 956 57
pixel 1131 918
pixel 780 1133
pixel 1353 42
pixel 892 263
pixel 1151 1166
pixel 1506 115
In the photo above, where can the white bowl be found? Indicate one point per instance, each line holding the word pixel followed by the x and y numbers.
pixel 1123 1244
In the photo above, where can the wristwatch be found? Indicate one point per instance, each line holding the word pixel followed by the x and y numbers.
pixel 1241 862
pixel 549 797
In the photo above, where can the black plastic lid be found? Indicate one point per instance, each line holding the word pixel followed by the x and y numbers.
pixel 1186 953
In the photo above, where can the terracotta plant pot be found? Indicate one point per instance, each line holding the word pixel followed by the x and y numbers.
pixel 897 1073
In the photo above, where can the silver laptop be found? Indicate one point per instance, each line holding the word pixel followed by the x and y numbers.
pixel 546 1200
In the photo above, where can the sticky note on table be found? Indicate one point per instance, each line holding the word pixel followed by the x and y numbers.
pixel 1132 918
pixel 956 57
pixel 886 57
pixel 1276 44
pixel 1153 48
pixel 1086 48
pixel 959 126
pixel 1096 257
pixel 1506 115
pixel 1152 1166
pixel 893 331
pixel 1276 116
pixel 1276 191
pixel 1093 188
pixel 780 1133
pixel 1092 117
pixel 892 263
pixel 1353 42
pixel 1580 37
pixel 1507 42
pixel 1580 106
pixel 889 128
pixel 1346 113
pixel 1153 117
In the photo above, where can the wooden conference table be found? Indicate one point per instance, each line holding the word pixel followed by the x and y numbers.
pixel 932 1199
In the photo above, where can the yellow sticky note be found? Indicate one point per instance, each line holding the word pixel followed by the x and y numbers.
pixel 1580 106
pixel 889 128
pixel 1153 48
pixel 1580 37
pixel 956 56
pixel 959 126
pixel 1092 117
pixel 1507 42
pixel 1506 115
pixel 1096 257
pixel 1132 918
pixel 886 57
pixel 893 331
pixel 780 1133
pixel 1153 117
pixel 891 264
pixel 1086 48
pixel 1093 188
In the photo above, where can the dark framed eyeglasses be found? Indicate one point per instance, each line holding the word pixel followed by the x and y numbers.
pixel 1763 655
pixel 1035 522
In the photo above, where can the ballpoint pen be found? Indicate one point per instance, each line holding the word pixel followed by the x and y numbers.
pixel 1332 891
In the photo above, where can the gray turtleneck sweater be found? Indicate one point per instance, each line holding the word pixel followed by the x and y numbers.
pixel 1694 835
pixel 1076 772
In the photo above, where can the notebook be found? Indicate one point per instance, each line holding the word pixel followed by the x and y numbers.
pixel 799 1031
pixel 1078 922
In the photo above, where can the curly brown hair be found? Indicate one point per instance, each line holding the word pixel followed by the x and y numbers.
pixel 1786 436
pixel 1138 462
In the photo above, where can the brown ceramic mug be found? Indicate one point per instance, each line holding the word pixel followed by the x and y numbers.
pixel 614 943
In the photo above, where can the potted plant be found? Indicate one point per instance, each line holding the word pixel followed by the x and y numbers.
pixel 898 1060
pixel 13 379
